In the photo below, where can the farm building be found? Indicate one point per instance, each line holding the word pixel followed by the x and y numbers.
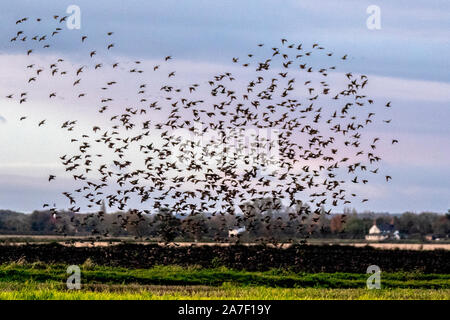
pixel 235 232
pixel 382 232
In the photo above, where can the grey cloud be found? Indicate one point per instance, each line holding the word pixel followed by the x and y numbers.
pixel 216 31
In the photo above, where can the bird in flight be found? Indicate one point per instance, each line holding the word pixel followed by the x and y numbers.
pixel 320 149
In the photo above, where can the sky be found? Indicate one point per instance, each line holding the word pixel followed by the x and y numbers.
pixel 407 61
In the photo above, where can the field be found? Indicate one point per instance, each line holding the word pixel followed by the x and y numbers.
pixel 133 271
pixel 39 281
pixel 49 292
pixel 404 244
pixel 309 258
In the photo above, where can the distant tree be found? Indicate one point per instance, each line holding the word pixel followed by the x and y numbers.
pixel 425 222
pixel 441 225
pixel 260 217
pixel 355 227
pixel 407 223
pixel 41 222
pixel 194 227
pixel 14 222
pixel 137 224
pixel 336 224
pixel 169 225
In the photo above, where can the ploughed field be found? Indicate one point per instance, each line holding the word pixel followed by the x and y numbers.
pixel 306 258
pixel 43 281
pixel 87 241
pixel 135 271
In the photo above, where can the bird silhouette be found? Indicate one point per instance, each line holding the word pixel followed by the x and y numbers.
pixel 283 140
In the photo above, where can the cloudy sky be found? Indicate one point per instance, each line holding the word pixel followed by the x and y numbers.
pixel 407 61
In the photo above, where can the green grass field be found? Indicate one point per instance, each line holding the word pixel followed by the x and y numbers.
pixel 32 291
pixel 40 281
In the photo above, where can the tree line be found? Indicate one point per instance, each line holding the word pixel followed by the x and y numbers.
pixel 269 225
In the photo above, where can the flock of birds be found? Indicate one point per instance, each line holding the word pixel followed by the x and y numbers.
pixel 276 130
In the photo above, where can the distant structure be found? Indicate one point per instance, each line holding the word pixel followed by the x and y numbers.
pixel 435 237
pixel 384 232
pixel 234 233
pixel 103 207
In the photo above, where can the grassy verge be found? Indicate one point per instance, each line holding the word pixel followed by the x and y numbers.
pixel 193 276
pixel 49 291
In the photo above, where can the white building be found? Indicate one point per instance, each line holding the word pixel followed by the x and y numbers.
pixel 379 233
pixel 235 232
